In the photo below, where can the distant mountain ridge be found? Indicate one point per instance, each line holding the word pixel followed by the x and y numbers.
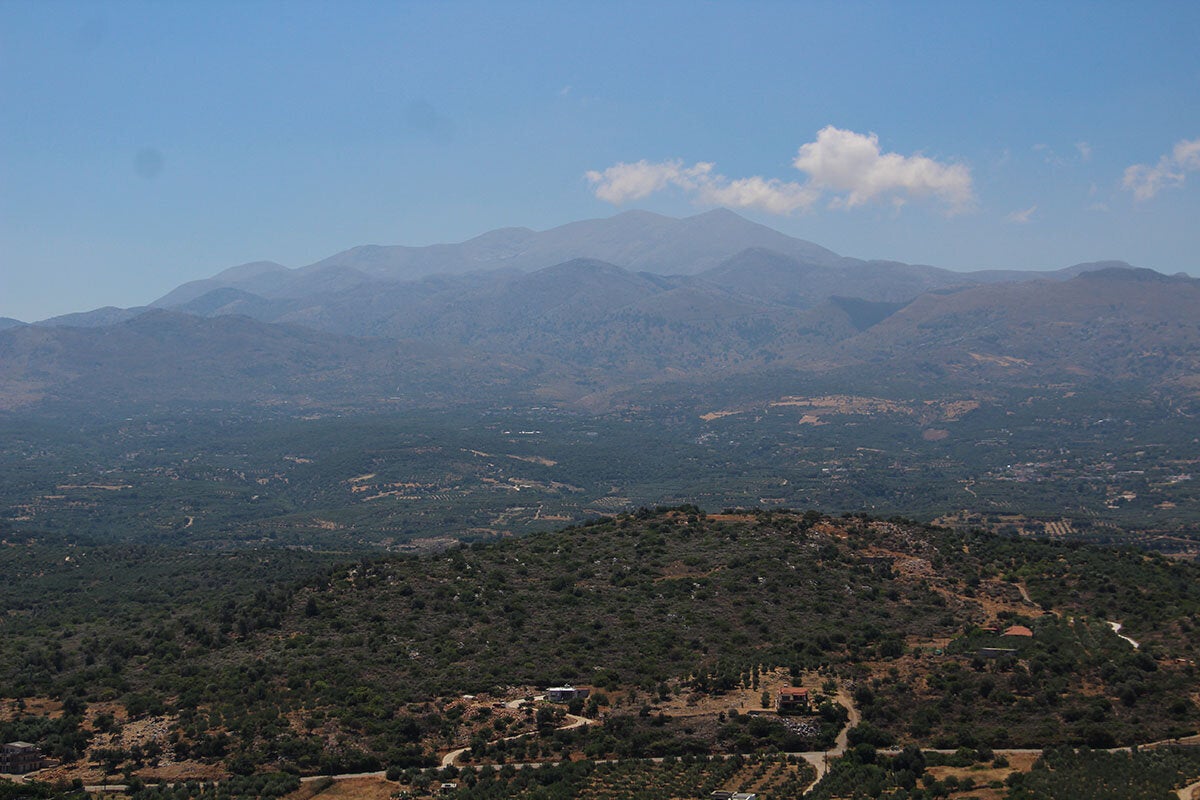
pixel 586 329
pixel 585 332
pixel 364 290
pixel 465 292
pixel 635 240
pixel 716 245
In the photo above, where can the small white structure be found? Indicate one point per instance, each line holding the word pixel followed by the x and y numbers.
pixel 565 694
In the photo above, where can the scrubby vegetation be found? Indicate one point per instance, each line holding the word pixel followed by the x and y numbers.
pixel 36 790
pixel 277 658
pixel 256 787
pixel 770 777
pixel 865 773
pixel 1064 774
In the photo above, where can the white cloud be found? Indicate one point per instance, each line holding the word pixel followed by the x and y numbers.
pixel 1171 170
pixel 849 162
pixel 1187 154
pixel 623 182
pixel 774 196
pixel 847 166
pixel 1085 151
pixel 1022 217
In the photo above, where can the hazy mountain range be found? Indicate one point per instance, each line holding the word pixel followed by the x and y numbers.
pixel 591 307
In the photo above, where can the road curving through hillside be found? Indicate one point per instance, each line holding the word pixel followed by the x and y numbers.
pixel 573 721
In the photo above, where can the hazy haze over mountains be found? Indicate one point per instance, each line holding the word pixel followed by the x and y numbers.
pixel 588 309
pixel 636 240
pixel 359 291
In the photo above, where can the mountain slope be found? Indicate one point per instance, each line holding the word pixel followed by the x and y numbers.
pixel 595 329
pixel 168 357
pixel 256 276
pixel 504 290
pixel 1113 323
pixel 97 318
pixel 635 240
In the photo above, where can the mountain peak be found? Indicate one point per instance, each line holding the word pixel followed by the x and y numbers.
pixel 642 214
pixel 246 271
pixel 721 213
pixel 1120 271
pixel 1092 266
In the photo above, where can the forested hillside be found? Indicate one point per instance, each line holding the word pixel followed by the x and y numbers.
pixel 364 665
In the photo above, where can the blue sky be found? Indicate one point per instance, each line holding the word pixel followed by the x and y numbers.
pixel 146 144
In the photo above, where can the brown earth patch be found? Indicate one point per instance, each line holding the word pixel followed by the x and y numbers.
pixel 710 416
pixel 545 462
pixel 746 700
pixel 958 409
pixel 677 570
pixel 846 404
pixel 1008 362
pixel 356 789
pixel 34 707
pixel 105 486
pixel 982 775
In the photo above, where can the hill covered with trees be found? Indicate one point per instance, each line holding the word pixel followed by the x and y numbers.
pixel 677 619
